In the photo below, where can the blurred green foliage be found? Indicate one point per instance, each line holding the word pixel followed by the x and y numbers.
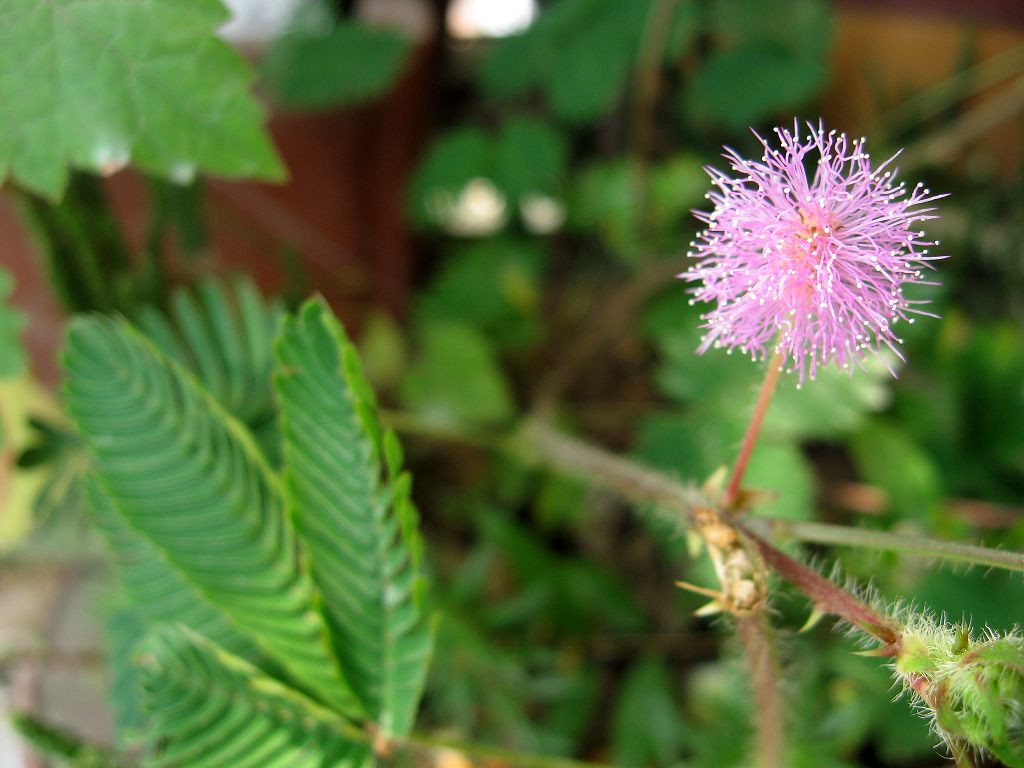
pixel 133 82
pixel 562 632
pixel 322 61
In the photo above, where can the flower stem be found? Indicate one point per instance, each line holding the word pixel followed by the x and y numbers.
pixel 764 399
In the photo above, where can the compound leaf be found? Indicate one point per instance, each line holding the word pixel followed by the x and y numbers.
pixel 188 478
pixel 213 709
pixel 224 335
pixel 350 501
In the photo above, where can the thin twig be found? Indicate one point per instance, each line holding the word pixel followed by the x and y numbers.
pixel 973 125
pixel 646 84
pixel 932 101
pixel 540 442
pixel 847 536
pixel 412 424
pixel 606 470
pixel 611 319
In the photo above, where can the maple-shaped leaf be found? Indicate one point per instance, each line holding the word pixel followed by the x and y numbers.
pixel 96 84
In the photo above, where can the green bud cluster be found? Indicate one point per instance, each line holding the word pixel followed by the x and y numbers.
pixel 971 688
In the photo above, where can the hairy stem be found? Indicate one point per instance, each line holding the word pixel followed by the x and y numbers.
pixel 759 647
pixel 961 754
pixel 842 535
pixel 827 596
pixel 606 470
pixel 543 444
pixel 764 399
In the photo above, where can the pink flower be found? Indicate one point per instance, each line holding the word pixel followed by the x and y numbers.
pixel 807 252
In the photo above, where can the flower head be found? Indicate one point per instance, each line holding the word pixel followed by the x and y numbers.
pixel 810 261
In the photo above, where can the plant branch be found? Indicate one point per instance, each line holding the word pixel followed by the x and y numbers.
pixel 755 637
pixel 846 536
pixel 410 423
pixel 604 469
pixel 827 596
pixel 605 327
pixel 540 443
pixel 932 101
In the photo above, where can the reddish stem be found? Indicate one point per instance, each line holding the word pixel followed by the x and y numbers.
pixel 828 597
pixel 764 399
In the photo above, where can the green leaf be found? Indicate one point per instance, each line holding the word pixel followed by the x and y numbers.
pixel 124 628
pixel 224 335
pixel 212 709
pixel 453 160
pixel 591 76
pixel 456 379
pixel 382 348
pixel 741 86
pixel 92 84
pixel 579 54
pixel 835 403
pixel 605 199
pixel 530 157
pixel 693 445
pixel 645 723
pixel 348 64
pixel 804 27
pixel 66 747
pixel 492 285
pixel 887 458
pixel 12 352
pixel 781 469
pixel 351 506
pixel 157 591
pixel 188 478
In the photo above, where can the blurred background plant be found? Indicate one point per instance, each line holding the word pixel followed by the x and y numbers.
pixel 495 196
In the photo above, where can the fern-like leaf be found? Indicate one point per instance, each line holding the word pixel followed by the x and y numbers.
pixel 212 709
pixel 68 749
pixel 154 593
pixel 187 477
pixel 224 335
pixel 157 591
pixel 350 501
